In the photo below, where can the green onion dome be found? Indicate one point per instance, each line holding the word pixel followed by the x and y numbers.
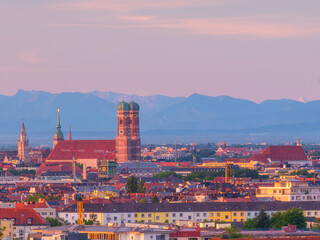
pixel 123 106
pixel 134 106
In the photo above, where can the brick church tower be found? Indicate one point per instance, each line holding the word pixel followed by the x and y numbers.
pixel 128 143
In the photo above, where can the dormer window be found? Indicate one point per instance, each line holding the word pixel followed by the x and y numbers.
pixel 29 221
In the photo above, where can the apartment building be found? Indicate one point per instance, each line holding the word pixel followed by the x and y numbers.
pixel 289 191
pixel 172 212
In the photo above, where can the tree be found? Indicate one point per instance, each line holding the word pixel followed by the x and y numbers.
pixel 34 198
pixel 54 222
pixel 303 172
pixel 233 232
pixel 167 174
pixel 1 231
pixel 293 216
pixel 263 219
pixel 316 225
pixel 88 222
pixel 155 199
pixel 141 187
pixel 250 224
pixel 132 184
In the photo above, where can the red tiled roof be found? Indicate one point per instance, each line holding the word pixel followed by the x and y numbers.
pixel 57 168
pixel 237 160
pixel 259 158
pixel 83 149
pixel 285 153
pixel 31 205
pixel 21 216
pixel 174 164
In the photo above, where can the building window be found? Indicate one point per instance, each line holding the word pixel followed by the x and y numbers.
pixel 149 221
pixel 189 217
pixel 51 213
pixel 142 215
pixel 157 218
pixel 114 218
pixel 181 214
pixel 68 215
pixel 316 213
pixel 218 214
pixel 204 214
pixel 135 215
pixel 149 215
pixel 29 221
pixel 167 215
pixel 309 213
pixel 173 215
pixel 226 217
pixel 249 214
pixel 242 214
pixel 198 214
pixel 234 214
pixel 211 215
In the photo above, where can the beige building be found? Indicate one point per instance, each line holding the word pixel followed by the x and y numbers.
pixel 7 226
pixel 290 191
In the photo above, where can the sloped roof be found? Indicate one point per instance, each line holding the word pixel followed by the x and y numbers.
pixel 32 205
pixel 57 168
pixel 260 157
pixel 174 164
pixel 285 153
pixel 83 149
pixel 21 216
pixel 190 207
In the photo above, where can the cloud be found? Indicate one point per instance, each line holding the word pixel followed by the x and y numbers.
pixel 132 5
pixel 242 27
pixel 29 57
pixel 135 18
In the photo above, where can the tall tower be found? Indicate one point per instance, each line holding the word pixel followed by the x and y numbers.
pixel 69 134
pixel 123 131
pixel 58 135
pixel 128 141
pixel 135 141
pixel 23 145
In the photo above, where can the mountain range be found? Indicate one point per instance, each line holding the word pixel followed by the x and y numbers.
pixel 162 118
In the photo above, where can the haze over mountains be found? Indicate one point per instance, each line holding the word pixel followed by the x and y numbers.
pixel 163 119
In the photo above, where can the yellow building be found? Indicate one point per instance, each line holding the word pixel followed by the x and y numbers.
pixel 155 217
pixel 7 228
pixel 227 216
pixel 290 191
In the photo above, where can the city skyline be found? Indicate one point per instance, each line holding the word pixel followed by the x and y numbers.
pixel 244 49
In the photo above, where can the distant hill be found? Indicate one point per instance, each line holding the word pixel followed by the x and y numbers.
pixel 162 117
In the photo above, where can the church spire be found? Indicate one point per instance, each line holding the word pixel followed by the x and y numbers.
pixel 22 127
pixel 69 134
pixel 58 120
pixel 58 135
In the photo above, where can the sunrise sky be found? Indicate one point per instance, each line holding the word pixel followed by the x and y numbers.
pixel 254 49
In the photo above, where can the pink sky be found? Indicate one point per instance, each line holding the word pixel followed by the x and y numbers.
pixel 254 49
